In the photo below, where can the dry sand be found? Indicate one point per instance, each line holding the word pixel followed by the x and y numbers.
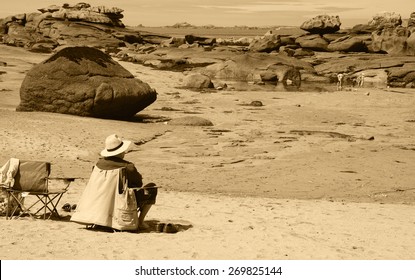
pixel 309 175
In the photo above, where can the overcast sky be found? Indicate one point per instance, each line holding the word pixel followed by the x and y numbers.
pixel 230 12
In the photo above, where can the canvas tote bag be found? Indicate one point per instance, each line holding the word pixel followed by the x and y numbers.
pixel 125 215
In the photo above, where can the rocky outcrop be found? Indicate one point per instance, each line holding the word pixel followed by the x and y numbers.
pixel 100 27
pixel 402 76
pixel 349 44
pixel 322 24
pixel 197 81
pixel 411 21
pixel 202 41
pixel 380 70
pixel 244 41
pixel 391 40
pixel 267 43
pixel 410 44
pixel 313 42
pixel 86 82
pixel 191 121
pixel 84 12
pixel 362 29
pixel 78 24
pixel 385 20
pixel 71 25
pixel 79 34
pixel 259 68
pixel 285 74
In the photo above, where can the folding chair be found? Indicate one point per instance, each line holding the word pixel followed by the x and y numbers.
pixel 32 178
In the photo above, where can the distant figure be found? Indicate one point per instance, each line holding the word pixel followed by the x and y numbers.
pixel 340 81
pixel 361 80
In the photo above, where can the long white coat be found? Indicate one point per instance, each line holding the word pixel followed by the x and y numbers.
pixel 102 204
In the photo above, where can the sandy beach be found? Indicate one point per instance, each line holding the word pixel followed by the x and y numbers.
pixel 309 175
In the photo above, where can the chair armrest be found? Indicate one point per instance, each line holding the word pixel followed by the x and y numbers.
pixel 146 187
pixel 59 184
pixel 62 178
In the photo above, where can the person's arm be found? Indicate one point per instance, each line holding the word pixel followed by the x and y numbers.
pixel 135 180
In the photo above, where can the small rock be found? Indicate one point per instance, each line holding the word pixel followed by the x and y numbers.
pixel 256 103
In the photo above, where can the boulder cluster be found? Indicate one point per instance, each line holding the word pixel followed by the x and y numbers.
pixel 317 54
pixel 54 26
pixel 383 34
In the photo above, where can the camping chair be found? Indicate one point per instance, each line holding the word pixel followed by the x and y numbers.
pixel 32 178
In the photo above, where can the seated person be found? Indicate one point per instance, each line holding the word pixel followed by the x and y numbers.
pixel 113 158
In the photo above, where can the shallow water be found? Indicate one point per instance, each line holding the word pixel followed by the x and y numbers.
pixel 305 87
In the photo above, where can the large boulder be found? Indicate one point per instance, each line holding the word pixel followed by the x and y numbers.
pixel 79 34
pixel 322 24
pixel 313 42
pixel 385 20
pixel 349 44
pixel 391 40
pixel 86 82
pixel 197 81
pixel 267 43
pixel 411 21
pixel 402 76
pixel 362 29
pixel 71 25
pixel 410 43
pixel 284 74
pixel 191 121
pixel 84 12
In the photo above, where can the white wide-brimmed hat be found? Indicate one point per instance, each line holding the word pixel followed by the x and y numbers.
pixel 114 145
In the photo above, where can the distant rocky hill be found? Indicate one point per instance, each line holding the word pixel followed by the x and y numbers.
pixel 383 48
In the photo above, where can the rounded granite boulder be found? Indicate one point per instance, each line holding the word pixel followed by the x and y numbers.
pixel 84 81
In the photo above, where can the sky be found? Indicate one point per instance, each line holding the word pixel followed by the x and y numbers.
pixel 229 12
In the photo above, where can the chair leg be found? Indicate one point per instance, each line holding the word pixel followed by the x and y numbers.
pixel 40 198
pixel 55 205
pixel 49 204
pixel 53 210
pixel 46 201
pixel 8 205
pixel 20 205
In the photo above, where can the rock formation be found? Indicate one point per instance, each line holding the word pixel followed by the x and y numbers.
pixel 197 81
pixel 313 42
pixel 385 20
pixel 101 27
pixel 411 21
pixel 349 44
pixel 86 82
pixel 71 25
pixel 191 121
pixel 267 43
pixel 322 24
pixel 391 40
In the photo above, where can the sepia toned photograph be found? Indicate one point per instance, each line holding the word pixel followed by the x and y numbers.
pixel 207 130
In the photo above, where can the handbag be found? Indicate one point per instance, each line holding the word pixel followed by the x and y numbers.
pixel 125 207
